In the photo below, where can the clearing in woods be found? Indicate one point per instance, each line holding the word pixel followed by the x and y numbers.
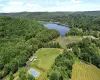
pixel 45 59
pixel 63 41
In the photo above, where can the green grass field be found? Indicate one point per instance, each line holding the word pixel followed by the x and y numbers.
pixel 45 59
pixel 63 41
pixel 82 71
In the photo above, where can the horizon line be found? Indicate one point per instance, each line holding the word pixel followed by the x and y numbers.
pixel 51 11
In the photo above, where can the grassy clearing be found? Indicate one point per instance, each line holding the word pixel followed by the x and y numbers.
pixel 63 41
pixel 45 59
pixel 82 71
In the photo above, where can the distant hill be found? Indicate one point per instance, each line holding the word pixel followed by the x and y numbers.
pixel 92 13
pixel 87 19
pixel 36 15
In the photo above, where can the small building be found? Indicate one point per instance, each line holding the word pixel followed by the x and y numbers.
pixel 32 58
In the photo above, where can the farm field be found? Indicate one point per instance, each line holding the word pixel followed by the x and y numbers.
pixel 63 41
pixel 82 71
pixel 45 59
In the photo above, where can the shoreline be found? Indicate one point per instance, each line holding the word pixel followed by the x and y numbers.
pixel 44 22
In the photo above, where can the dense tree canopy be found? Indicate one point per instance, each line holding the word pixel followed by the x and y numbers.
pixel 87 50
pixel 19 39
pixel 62 66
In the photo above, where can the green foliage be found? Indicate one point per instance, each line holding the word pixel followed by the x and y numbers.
pixel 19 39
pixel 74 32
pixel 1 74
pixel 47 35
pixel 30 77
pixel 13 66
pixel 22 75
pixel 76 50
pixel 96 60
pixel 1 66
pixel 84 20
pixel 52 45
pixel 54 76
pixel 11 77
pixel 87 50
pixel 86 57
pixel 6 69
pixel 63 64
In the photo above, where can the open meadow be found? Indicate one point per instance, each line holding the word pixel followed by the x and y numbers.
pixel 46 58
pixel 63 41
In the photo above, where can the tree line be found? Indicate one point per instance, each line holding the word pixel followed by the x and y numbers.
pixel 87 50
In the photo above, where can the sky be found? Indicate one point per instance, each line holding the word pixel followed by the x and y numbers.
pixel 7 6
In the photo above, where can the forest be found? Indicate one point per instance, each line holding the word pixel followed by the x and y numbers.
pixel 19 39
pixel 89 20
pixel 21 35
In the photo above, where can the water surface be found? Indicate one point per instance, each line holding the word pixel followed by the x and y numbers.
pixel 62 29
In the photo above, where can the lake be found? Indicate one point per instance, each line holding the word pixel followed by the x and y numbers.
pixel 62 29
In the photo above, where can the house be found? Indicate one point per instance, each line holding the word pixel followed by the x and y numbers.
pixel 32 58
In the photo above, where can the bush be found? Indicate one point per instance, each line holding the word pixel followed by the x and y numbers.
pixel 22 75
pixel 30 77
pixel 54 76
pixel 11 77
pixel 1 75
pixel 85 57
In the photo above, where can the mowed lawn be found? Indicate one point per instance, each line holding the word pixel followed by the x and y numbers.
pixel 45 59
pixel 82 71
pixel 63 41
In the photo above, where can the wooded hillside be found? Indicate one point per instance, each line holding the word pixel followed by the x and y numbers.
pixel 19 39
